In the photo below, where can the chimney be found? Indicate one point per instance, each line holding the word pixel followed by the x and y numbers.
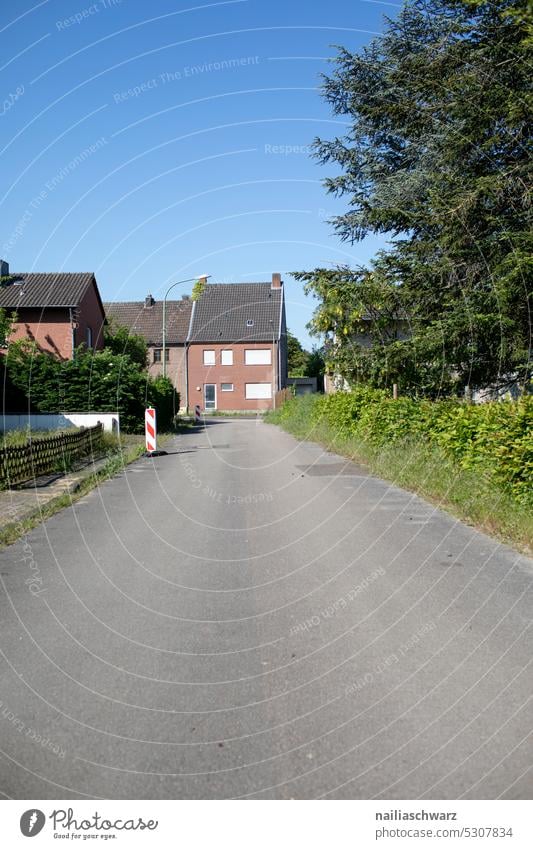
pixel 276 281
pixel 4 268
pixel 148 302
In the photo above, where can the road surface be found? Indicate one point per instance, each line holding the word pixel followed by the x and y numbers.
pixel 250 617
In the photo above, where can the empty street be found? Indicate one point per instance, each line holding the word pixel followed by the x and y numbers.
pixel 253 617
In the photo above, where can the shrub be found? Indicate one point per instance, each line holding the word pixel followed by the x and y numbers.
pixel 102 381
pixel 494 439
pixel 343 409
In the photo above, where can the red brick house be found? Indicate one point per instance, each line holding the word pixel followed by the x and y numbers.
pixel 237 346
pixel 58 311
pixel 145 318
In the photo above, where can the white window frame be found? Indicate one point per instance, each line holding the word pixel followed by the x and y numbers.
pixel 226 357
pixel 223 389
pixel 257 356
pixel 253 393
pixel 209 361
pixel 89 332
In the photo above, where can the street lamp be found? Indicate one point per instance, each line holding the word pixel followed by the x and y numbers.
pixel 178 283
pixel 274 357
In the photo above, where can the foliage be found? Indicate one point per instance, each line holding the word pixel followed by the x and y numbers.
pixel 103 381
pixel 436 157
pixel 160 393
pixel 7 320
pixel 119 340
pixel 199 288
pixel 11 397
pixel 315 366
pixel 297 356
pixel 302 363
pixel 493 438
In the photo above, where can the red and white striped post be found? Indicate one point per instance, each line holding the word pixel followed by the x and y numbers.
pixel 150 429
pixel 197 414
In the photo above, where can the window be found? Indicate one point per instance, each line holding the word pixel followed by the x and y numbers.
pixel 209 358
pixel 226 387
pixel 249 322
pixel 226 358
pixel 158 352
pixel 257 357
pixel 89 337
pixel 258 390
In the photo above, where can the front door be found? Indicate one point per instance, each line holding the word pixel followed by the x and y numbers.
pixel 210 396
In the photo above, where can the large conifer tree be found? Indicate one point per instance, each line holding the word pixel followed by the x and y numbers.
pixel 437 156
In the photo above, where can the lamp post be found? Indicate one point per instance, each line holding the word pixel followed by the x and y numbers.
pixel 274 381
pixel 178 283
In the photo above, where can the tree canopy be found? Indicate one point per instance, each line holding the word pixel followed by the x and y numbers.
pixel 296 356
pixel 437 158
pixel 302 363
pixel 119 340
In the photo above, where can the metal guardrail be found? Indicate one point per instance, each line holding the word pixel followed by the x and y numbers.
pixel 21 463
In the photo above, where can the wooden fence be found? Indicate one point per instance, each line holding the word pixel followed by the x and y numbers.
pixel 19 463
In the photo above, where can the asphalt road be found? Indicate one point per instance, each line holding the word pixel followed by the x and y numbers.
pixel 253 617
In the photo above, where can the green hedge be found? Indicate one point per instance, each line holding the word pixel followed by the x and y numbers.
pixel 495 438
pixel 92 381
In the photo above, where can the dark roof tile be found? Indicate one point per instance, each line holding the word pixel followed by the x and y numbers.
pixel 148 321
pixel 39 290
pixel 237 312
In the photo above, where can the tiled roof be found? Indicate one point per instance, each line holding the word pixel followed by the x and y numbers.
pixel 38 290
pixel 237 312
pixel 148 321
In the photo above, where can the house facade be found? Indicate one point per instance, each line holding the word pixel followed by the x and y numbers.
pixel 237 346
pixel 58 311
pixel 145 318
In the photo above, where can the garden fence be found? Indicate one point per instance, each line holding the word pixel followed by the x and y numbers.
pixel 20 463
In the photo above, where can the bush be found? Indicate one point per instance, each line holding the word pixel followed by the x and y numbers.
pixel 102 381
pixel 343 409
pixel 160 393
pixel 494 439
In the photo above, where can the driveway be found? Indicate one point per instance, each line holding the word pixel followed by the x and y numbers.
pixel 253 617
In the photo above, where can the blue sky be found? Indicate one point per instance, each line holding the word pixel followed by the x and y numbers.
pixel 151 142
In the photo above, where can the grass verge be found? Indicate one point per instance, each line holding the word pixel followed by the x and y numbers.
pixel 429 472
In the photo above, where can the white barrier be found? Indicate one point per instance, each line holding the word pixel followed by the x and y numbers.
pixel 58 421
